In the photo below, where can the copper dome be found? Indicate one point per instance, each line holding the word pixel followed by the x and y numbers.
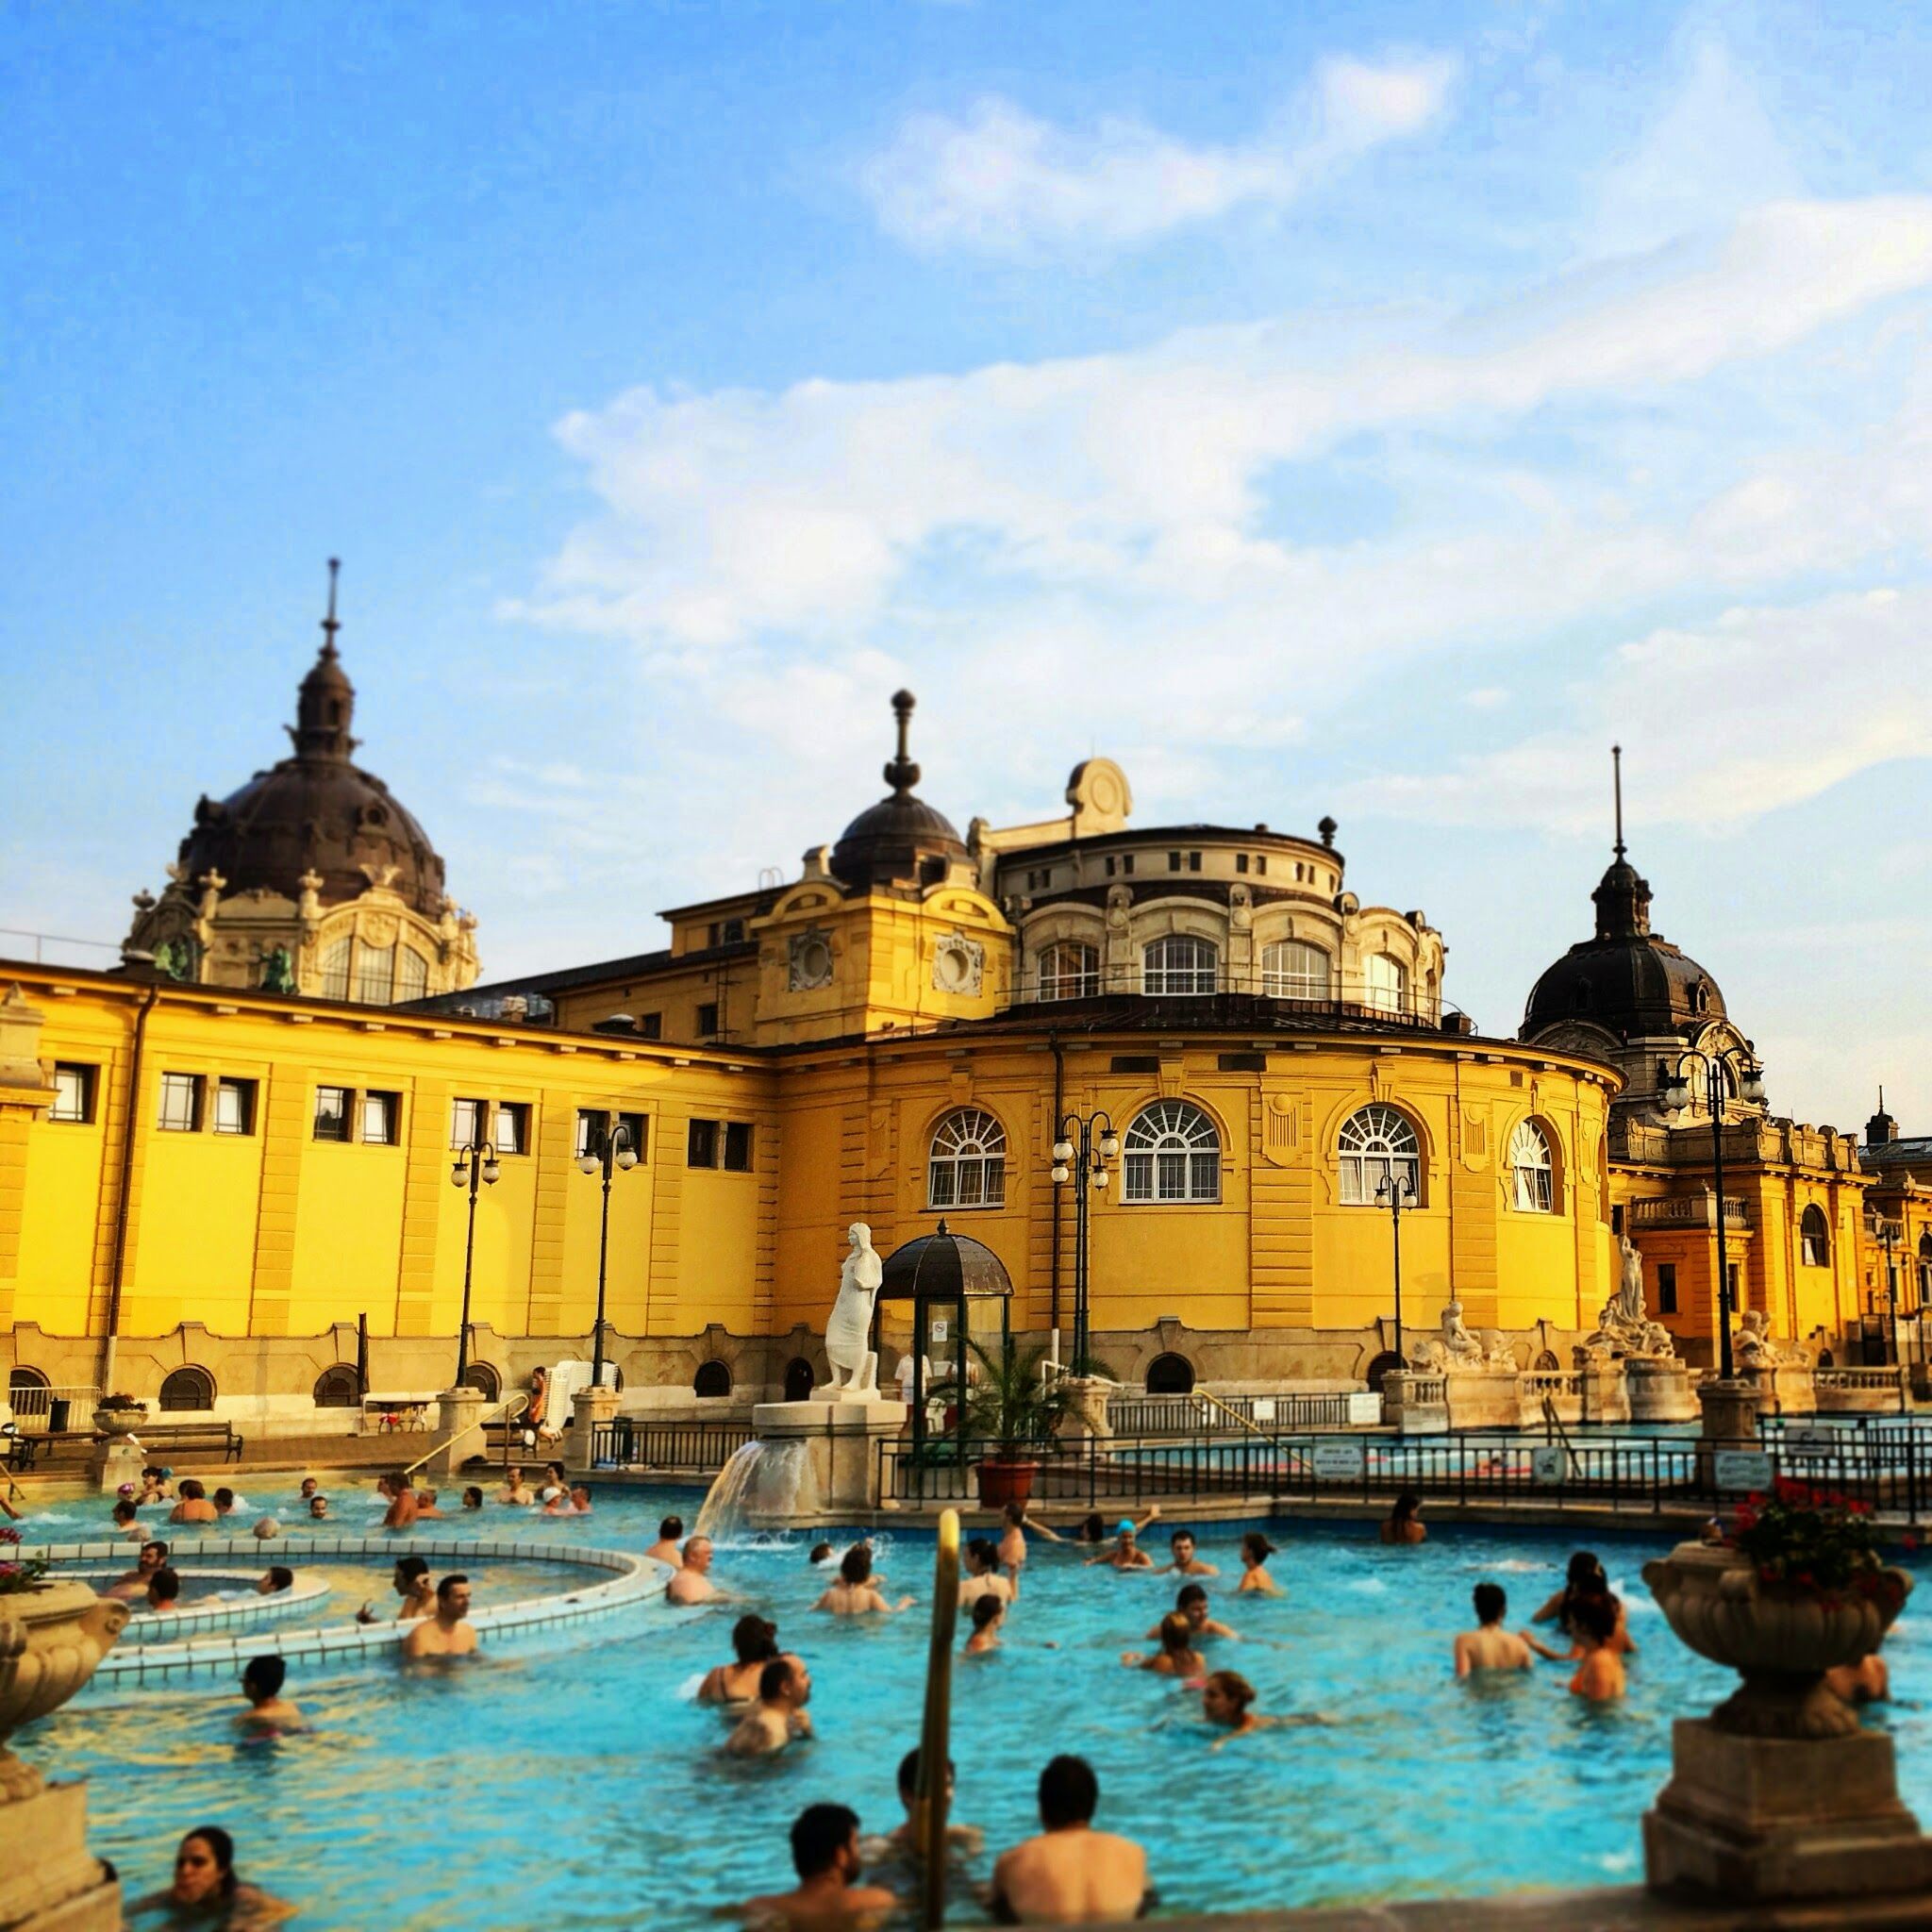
pixel 896 840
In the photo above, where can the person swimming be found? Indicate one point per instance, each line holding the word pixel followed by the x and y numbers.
pixel 1255 1550
pixel 1070 1874
pixel 1177 1657
pixel 1184 1561
pixel 207 1893
pixel 854 1593
pixel 1192 1603
pixel 1228 1699
pixel 261 1684
pixel 754 1644
pixel 1584 1577
pixel 1402 1526
pixel 779 1716
pixel 669 1534
pixel 989 1613
pixel 983 1576
pixel 1488 1646
pixel 1126 1553
pixel 1600 1676
pixel 449 1632
pixel 828 1897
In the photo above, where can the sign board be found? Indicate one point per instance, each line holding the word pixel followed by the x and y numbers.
pixel 1815 1442
pixel 1340 1461
pixel 1264 1409
pixel 936 1330
pixel 1738 1471
pixel 1364 1409
pixel 1550 1466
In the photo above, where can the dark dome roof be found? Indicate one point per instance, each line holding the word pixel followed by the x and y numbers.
pixel 316 810
pixel 942 1267
pixel 1626 979
pixel 894 841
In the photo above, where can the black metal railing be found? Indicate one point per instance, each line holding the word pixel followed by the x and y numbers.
pixel 631 1442
pixel 1133 1413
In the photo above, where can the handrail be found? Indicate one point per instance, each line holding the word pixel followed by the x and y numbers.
pixel 502 1411
pixel 1234 1415
pixel 929 1796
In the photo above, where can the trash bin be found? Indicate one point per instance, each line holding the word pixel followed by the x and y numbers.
pixel 57 1414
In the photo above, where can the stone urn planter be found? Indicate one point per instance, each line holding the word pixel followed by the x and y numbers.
pixel 1004 1479
pixel 1780 1638
pixel 53 1637
pixel 120 1418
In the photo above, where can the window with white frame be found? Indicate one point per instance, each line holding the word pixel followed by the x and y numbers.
pixel 966 1166
pixel 381 1113
pixel 1532 1172
pixel 1069 971
pixel 1385 983
pixel 180 1111
pixel 462 1123
pixel 1178 964
pixel 332 1114
pixel 74 1093
pixel 511 1127
pixel 1376 1144
pixel 1173 1153
pixel 412 974
pixel 234 1107
pixel 335 969
pixel 376 974
pixel 1294 970
pixel 1814 1238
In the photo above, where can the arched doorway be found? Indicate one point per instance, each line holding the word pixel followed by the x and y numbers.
pixel 799 1379
pixel 713 1379
pixel 1170 1374
pixel 1383 1364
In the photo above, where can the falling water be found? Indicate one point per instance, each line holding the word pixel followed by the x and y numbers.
pixel 763 1478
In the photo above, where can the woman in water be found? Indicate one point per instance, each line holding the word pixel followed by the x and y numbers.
pixel 755 1643
pixel 206 1893
pixel 1585 1577
pixel 1255 1550
pixel 1228 1699
pixel 1599 1677
pixel 989 1613
pixel 1402 1526
pixel 1177 1657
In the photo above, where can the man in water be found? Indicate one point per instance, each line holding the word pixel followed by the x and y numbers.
pixel 692 1584
pixel 279 1579
pixel 1193 1604
pixel 1127 1554
pixel 900 1842
pixel 411 1579
pixel 194 1506
pixel 127 1520
pixel 855 1591
pixel 133 1583
pixel 403 1508
pixel 228 1503
pixel 1071 1875
pixel 318 1509
pixel 513 1493
pixel 310 1487
pixel 1488 1646
pixel 828 1897
pixel 163 1591
pixel 1185 1562
pixel 449 1632
pixel 670 1533
pixel 268 1710
pixel 779 1715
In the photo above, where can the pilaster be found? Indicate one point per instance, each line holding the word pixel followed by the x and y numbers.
pixel 285 1121
pixel 425 1188
pixel 556 1132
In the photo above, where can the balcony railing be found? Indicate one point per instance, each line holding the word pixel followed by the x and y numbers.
pixel 1210 996
pixel 1687 1210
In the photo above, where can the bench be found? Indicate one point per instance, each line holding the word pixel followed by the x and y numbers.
pixel 71 1448
pixel 205 1436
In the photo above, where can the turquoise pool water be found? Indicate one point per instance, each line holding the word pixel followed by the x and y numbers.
pixel 568 1782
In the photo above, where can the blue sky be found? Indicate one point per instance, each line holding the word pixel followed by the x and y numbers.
pixel 1371 410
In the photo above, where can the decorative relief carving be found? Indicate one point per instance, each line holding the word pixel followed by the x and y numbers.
pixel 959 964
pixel 811 965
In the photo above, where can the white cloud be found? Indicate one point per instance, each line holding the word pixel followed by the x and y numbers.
pixel 1760 709
pixel 1003 181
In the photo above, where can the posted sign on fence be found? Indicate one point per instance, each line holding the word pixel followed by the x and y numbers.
pixel 1549 1467
pixel 1739 1471
pixel 1340 1462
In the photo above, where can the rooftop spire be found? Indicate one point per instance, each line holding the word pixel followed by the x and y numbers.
pixel 329 625
pixel 901 775
pixel 1616 774
pixel 326 701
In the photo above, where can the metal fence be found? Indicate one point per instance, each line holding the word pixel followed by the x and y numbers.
pixel 1134 1414
pixel 631 1442
pixel 37 1408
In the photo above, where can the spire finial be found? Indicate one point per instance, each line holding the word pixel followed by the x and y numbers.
pixel 329 625
pixel 901 775
pixel 1617 787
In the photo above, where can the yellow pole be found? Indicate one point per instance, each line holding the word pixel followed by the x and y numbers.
pixel 929 1809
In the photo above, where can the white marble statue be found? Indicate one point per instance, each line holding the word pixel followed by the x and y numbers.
pixel 1624 1327
pixel 1753 1346
pixel 1455 1348
pixel 1630 1294
pixel 848 1333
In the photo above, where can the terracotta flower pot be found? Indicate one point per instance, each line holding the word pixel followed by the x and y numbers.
pixel 1780 1638
pixel 1006 1479
pixel 121 1421
pixel 52 1639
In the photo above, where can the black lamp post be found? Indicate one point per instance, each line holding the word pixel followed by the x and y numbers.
pixel 1396 1192
pixel 1081 1155
pixel 1731 1063
pixel 476 1169
pixel 606 1148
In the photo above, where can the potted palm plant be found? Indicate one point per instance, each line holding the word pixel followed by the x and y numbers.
pixel 1009 1404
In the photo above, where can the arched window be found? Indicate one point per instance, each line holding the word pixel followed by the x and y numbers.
pixel 1377 1143
pixel 1178 964
pixel 338 1388
pixel 188 1388
pixel 1814 1238
pixel 335 969
pixel 1383 1366
pixel 967 1164
pixel 484 1380
pixel 799 1379
pixel 376 974
pixel 1925 1269
pixel 1294 970
pixel 1385 983
pixel 712 1380
pixel 412 974
pixel 1532 1172
pixel 1545 1363
pixel 1170 1374
pixel 1173 1154
pixel 1068 970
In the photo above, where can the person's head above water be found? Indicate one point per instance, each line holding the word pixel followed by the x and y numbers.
pixel 1069 1793
pixel 1176 1634
pixel 163 1587
pixel 1182 1544
pixel 1014 1515
pixel 909 1768
pixel 473 1497
pixel 153 1554
pixel 1491 1605
pixel 988 1611
pixel 280 1577
pixel 697 1553
pixel 1224 1695
pixel 318 1507
pixel 826 1838
pixel 204 1867
pixel 1406 1505
pixel 452 1597
pixel 263 1679
pixel 125 1512
pixel 1256 1548
pixel 784 1679
pixel 1586 1574
pixel 753 1639
pixel 1094 1529
pixel 1595 1618
pixel 821 1553
pixel 409 1571
pixel 671 1530
pixel 191 1491
pixel 854 1566
pixel 982 1556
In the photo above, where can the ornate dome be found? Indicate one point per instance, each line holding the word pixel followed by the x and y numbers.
pixel 894 841
pixel 316 811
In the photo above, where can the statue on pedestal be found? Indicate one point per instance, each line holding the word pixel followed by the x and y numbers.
pixel 1623 1329
pixel 848 1333
pixel 1454 1349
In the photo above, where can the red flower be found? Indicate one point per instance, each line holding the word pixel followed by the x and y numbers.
pixel 1911 1542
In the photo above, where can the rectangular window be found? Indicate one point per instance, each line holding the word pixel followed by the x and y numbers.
pixel 590 1121
pixel 1241 861
pixel 651 1025
pixel 1128 863
pixel 734 932
pixel 462 1123
pixel 701 1148
pixel 737 1146
pixel 511 1127
pixel 1109 868
pixel 1667 1288
pixel 708 1019
pixel 74 1093
pixel 1193 861
pixel 1174 861
pixel 331 1114
pixel 380 1113
pixel 234 1107
pixel 180 1103
pixel 1261 861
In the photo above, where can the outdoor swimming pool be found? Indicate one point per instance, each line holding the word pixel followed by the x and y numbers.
pixel 568 1782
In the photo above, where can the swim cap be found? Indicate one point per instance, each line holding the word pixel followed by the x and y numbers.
pixel 1126 1528
pixel 126 1490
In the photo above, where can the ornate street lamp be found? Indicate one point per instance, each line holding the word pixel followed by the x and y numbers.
pixel 1082 1155
pixel 606 1148
pixel 1395 1194
pixel 476 1169
pixel 1732 1062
